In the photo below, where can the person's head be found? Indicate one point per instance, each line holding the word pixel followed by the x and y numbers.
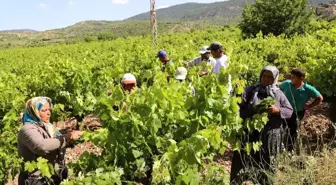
pixel 297 76
pixel 128 82
pixel 162 55
pixel 181 74
pixel 269 76
pixel 205 53
pixel 45 113
pixel 216 49
pixel 38 110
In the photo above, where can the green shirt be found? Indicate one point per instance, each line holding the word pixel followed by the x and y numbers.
pixel 301 95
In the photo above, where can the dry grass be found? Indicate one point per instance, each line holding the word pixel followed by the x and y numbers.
pixel 306 169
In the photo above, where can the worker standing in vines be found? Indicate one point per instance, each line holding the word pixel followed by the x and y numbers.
pixel 270 136
pixel 128 84
pixel 298 93
pixel 167 64
pixel 204 58
pixel 218 53
pixel 39 138
pixel 181 75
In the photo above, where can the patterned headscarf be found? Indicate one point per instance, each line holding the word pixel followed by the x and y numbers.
pixel 262 91
pixel 274 87
pixel 32 114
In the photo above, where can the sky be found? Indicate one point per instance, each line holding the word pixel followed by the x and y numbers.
pixel 50 14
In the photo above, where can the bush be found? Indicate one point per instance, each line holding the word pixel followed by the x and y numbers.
pixel 90 39
pixel 275 17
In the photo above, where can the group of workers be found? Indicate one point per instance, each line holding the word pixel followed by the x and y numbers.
pixel 38 137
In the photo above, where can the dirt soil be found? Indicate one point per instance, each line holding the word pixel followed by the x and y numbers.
pixel 316 127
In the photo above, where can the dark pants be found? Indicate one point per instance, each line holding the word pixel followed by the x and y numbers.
pixel 24 179
pixel 292 124
pixel 257 167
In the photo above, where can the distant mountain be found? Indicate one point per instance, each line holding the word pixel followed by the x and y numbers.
pixel 21 31
pixel 214 12
pixel 198 11
pixel 177 18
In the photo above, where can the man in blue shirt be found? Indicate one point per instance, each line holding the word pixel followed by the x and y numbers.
pixel 299 93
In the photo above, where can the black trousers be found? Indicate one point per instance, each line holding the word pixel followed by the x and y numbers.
pixel 24 179
pixel 257 167
pixel 292 131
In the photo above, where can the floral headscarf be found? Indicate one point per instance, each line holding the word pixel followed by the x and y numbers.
pixel 32 114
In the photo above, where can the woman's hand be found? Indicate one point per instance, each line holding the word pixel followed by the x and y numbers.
pixel 74 135
pixel 274 110
pixel 203 73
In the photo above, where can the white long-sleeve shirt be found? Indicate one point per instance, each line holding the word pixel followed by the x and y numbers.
pixel 222 62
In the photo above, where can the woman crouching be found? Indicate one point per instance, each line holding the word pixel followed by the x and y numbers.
pixel 39 138
pixel 258 166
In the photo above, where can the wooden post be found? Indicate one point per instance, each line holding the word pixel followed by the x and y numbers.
pixel 153 22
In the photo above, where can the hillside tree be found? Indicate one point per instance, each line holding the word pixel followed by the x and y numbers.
pixel 275 17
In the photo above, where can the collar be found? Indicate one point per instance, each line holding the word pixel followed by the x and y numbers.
pixel 302 88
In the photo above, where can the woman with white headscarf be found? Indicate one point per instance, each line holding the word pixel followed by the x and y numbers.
pixel 270 136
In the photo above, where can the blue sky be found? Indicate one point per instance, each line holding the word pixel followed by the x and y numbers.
pixel 49 14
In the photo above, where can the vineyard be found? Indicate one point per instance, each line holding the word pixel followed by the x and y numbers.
pixel 165 135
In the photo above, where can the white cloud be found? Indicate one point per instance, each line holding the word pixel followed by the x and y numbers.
pixel 119 1
pixel 163 6
pixel 42 5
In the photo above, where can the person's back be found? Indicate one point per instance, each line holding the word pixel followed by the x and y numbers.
pixel 221 62
pixel 181 75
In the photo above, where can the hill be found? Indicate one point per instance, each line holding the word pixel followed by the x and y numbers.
pixel 19 31
pixel 224 10
pixel 177 18
pixel 92 30
pixel 220 12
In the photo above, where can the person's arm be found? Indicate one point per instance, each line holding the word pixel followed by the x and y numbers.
pixel 285 110
pixel 244 109
pixel 33 139
pixel 317 101
pixel 190 63
pixel 318 98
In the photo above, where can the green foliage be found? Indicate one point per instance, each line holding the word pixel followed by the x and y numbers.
pixel 90 38
pixel 160 132
pixel 106 36
pixel 42 165
pixel 264 104
pixel 275 17
pixel 99 176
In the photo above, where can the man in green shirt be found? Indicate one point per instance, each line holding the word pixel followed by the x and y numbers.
pixel 299 93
